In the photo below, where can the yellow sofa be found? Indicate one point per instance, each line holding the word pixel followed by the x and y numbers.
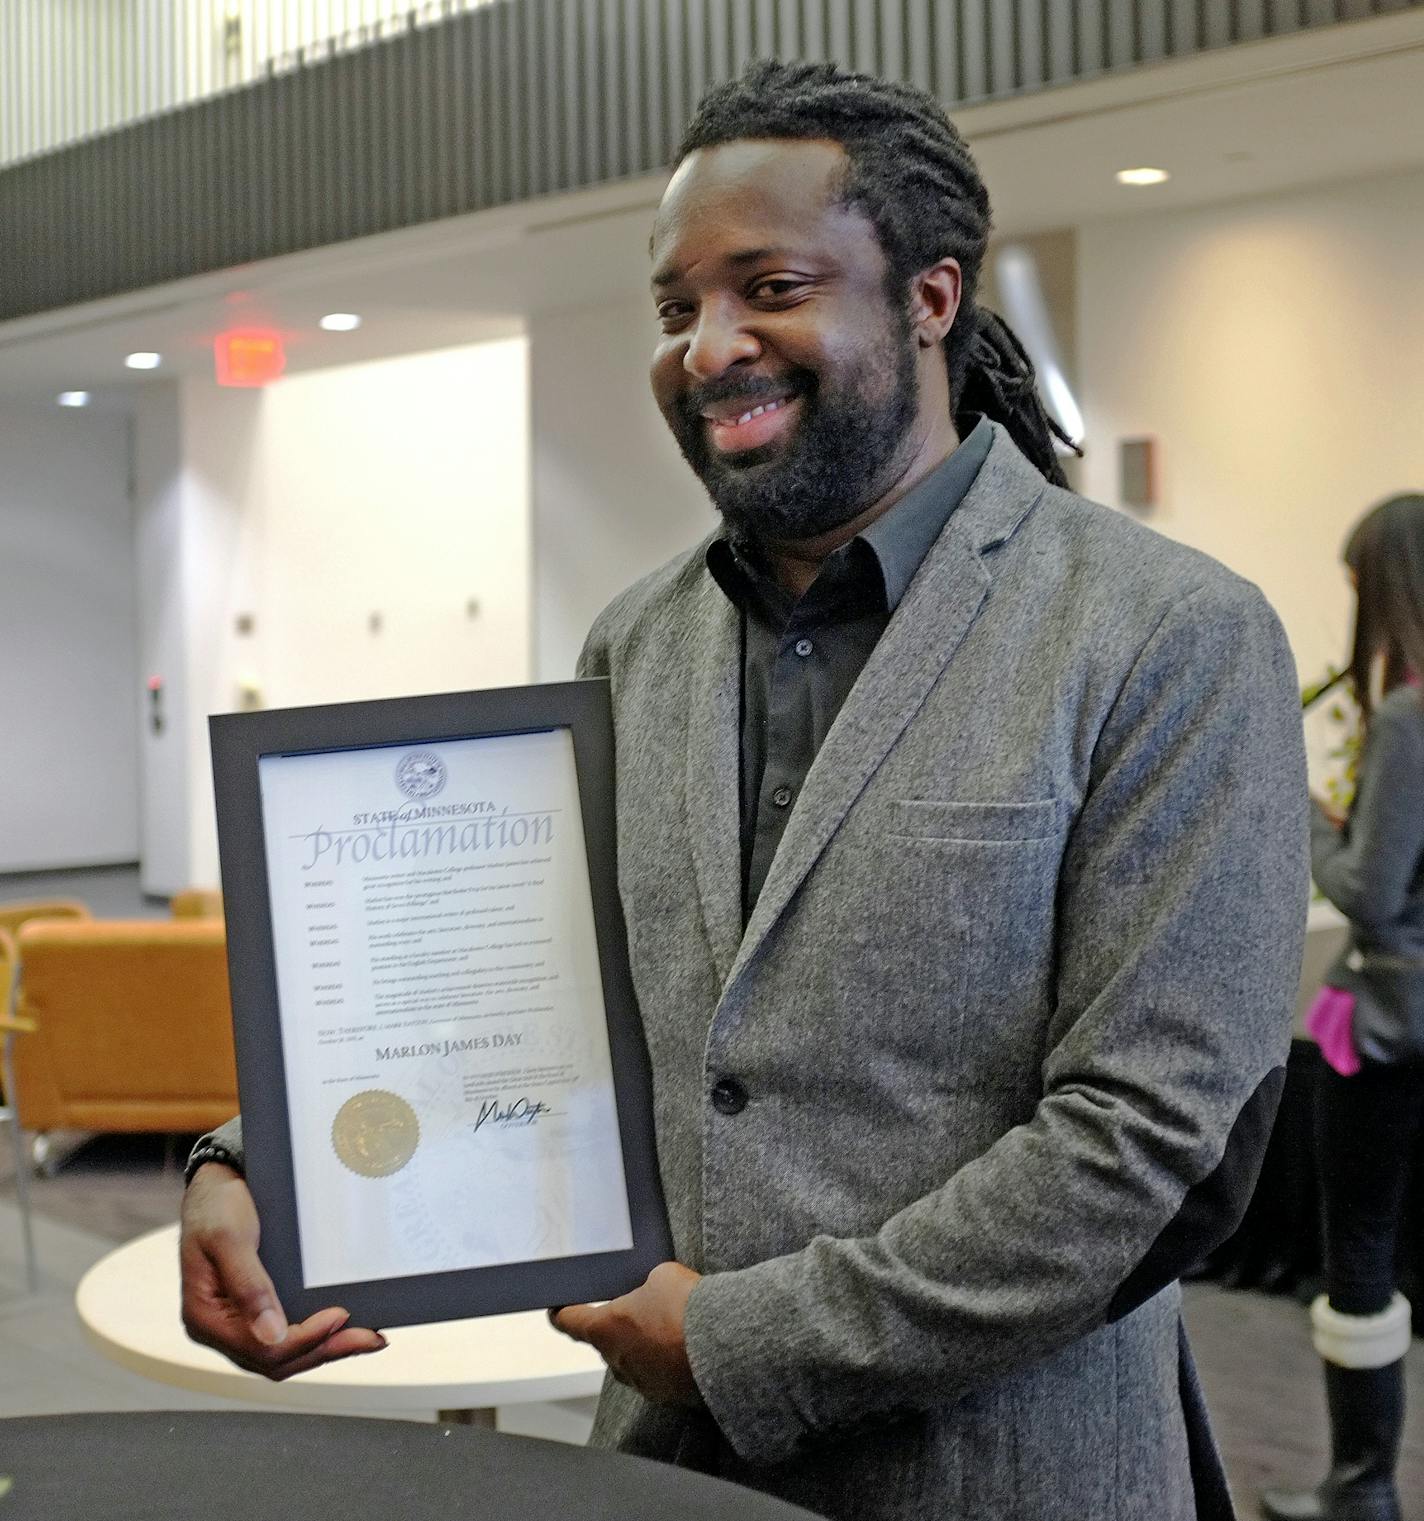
pixel 13 915
pixel 132 1026
pixel 196 903
pixel 7 972
pixel 9 1024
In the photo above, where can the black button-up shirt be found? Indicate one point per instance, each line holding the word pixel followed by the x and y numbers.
pixel 801 658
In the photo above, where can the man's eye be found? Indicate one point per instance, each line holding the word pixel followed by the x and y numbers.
pixel 672 311
pixel 770 290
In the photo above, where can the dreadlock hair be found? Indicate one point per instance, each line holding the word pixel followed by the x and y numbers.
pixel 1386 553
pixel 912 175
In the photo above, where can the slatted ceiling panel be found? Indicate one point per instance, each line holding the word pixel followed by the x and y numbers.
pixel 919 50
pixel 1218 25
pixel 414 200
pixel 764 26
pixel 498 102
pixel 619 65
pixel 1029 44
pixel 1250 20
pixel 656 68
pixel 528 105
pixel 616 44
pixel 676 104
pixel 633 146
pixel 450 126
pixel 540 54
pixel 524 107
pixel 500 105
pixel 566 81
pixel 1116 28
pixel 971 80
pixel 1004 53
pixel 582 83
pixel 1152 28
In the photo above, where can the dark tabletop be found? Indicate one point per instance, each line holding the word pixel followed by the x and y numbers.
pixel 216 1466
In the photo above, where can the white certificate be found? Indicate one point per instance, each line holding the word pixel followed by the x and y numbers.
pixel 448 1077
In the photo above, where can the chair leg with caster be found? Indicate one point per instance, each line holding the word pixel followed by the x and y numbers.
pixel 11 1112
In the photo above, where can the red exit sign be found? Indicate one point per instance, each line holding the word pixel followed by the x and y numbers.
pixel 248 356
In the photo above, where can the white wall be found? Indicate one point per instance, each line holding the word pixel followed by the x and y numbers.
pixel 612 497
pixel 396 489
pixel 68 731
pixel 1276 349
pixel 161 637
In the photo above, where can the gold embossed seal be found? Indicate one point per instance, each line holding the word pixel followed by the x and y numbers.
pixel 375 1133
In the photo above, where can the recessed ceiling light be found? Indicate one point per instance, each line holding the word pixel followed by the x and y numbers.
pixel 144 361
pixel 1143 176
pixel 340 322
pixel 73 398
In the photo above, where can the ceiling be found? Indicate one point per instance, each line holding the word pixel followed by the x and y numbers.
pixel 1254 120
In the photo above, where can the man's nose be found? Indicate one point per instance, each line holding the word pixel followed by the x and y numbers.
pixel 718 342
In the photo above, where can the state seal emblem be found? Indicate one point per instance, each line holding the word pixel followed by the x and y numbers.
pixel 375 1133
pixel 420 775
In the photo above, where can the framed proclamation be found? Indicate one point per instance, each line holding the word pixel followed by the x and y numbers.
pixel 445 1093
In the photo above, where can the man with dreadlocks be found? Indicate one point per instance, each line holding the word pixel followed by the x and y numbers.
pixel 962 850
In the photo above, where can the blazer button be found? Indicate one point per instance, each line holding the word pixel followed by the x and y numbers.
pixel 728 1096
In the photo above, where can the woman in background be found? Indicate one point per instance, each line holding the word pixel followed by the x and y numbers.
pixel 1369 1021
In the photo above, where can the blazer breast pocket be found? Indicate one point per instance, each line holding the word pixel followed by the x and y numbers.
pixel 987 823
pixel 954 948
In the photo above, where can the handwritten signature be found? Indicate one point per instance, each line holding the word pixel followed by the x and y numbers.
pixel 522 1111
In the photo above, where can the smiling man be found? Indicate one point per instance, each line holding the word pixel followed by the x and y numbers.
pixel 962 850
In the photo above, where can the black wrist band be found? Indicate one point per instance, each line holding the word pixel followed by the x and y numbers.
pixel 209 1153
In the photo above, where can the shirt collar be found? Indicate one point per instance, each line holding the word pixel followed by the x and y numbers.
pixel 902 537
pixel 898 541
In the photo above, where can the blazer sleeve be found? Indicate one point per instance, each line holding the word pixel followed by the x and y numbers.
pixel 1368 869
pixel 1182 916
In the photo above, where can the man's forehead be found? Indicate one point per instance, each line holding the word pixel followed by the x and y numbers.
pixel 759 193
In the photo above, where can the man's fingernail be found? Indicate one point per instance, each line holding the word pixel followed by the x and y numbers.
pixel 269 1328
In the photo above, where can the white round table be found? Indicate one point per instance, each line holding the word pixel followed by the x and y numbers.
pixel 128 1304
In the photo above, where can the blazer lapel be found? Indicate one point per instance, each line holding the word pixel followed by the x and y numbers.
pixel 938 609
pixel 714 759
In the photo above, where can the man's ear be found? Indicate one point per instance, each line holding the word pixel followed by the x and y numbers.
pixel 934 301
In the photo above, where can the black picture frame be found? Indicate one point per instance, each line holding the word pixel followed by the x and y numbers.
pixel 239 741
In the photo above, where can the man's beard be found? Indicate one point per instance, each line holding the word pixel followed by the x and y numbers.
pixel 837 461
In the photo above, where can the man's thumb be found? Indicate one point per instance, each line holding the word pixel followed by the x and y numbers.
pixel 270 1328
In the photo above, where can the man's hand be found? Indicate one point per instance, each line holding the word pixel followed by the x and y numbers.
pixel 229 1303
pixel 640 1336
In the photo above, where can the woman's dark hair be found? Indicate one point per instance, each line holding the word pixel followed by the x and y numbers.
pixel 1386 553
pixel 913 177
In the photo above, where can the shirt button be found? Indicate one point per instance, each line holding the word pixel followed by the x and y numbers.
pixel 804 647
pixel 782 797
pixel 728 1096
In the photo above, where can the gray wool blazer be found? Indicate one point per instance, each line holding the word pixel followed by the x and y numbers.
pixel 1010 1014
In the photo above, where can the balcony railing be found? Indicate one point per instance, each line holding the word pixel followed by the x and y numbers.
pixel 71 69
